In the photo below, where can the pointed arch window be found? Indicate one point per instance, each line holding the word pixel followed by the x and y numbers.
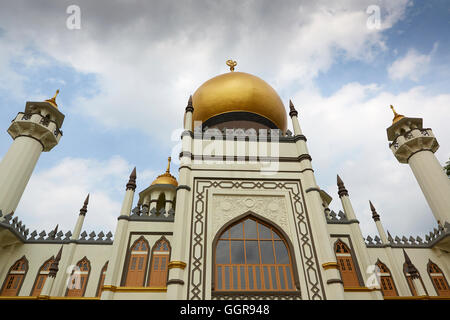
pixel 101 281
pixel 252 256
pixel 346 265
pixel 41 277
pixel 15 277
pixel 137 263
pixel 79 278
pixel 438 279
pixel 159 263
pixel 386 281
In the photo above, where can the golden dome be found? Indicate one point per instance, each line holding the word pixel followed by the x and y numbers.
pixel 166 178
pixel 238 92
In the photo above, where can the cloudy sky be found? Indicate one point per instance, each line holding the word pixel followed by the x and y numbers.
pixel 126 73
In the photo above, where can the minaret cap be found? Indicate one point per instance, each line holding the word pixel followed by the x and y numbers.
pixel 375 215
pixel 292 111
pixel 410 268
pixel 83 210
pixel 55 264
pixel 190 107
pixel 52 100
pixel 397 116
pixel 342 191
pixel 132 182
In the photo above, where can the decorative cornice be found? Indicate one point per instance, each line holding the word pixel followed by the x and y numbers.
pixel 360 289
pixel 177 264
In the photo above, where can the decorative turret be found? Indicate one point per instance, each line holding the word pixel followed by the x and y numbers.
pixel 415 145
pixel 35 130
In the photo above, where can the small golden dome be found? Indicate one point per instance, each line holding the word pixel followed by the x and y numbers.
pixel 166 178
pixel 238 92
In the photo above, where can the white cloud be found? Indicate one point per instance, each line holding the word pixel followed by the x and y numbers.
pixel 347 136
pixel 411 66
pixel 55 196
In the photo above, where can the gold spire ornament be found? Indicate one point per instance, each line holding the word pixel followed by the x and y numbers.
pixel 231 64
pixel 166 178
pixel 397 116
pixel 168 165
pixel 52 101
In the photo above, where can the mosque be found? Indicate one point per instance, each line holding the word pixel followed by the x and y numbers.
pixel 245 219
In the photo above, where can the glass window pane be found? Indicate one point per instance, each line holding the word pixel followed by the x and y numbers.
pixel 264 232
pixel 223 251
pixel 275 235
pixel 250 229
pixel 237 252
pixel 258 277
pixel 141 263
pixel 236 232
pixel 267 252
pixel 266 278
pixel 235 277
pixel 250 277
pixel 219 277
pixel 281 275
pixel 274 278
pixel 143 246
pixel 242 272
pixel 288 276
pixel 281 252
pixel 252 251
pixel 225 235
pixel 163 263
pixel 156 263
pixel 227 278
pixel 133 263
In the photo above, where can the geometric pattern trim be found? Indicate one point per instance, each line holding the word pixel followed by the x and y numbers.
pixel 198 242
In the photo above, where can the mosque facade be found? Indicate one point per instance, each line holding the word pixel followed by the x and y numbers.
pixel 245 219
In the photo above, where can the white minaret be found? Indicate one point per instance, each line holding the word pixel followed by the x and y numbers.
pixel 36 130
pixel 415 145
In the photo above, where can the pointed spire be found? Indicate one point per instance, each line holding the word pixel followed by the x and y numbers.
pixel 341 188
pixel 83 210
pixel 190 107
pixel 292 111
pixel 53 233
pixel 397 116
pixel 55 264
pixel 375 215
pixel 410 268
pixel 132 182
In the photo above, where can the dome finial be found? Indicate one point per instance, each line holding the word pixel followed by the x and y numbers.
pixel 231 64
pixel 397 116
pixel 168 164
pixel 52 101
